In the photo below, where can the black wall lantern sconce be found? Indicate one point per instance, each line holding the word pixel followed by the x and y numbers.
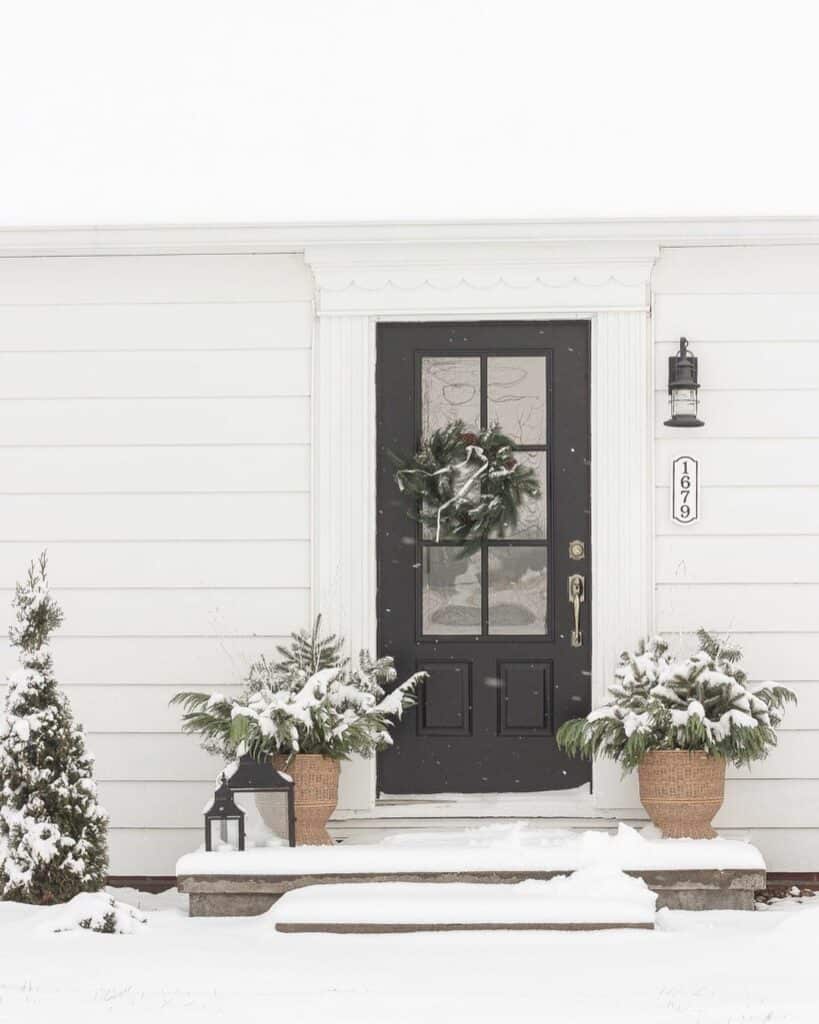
pixel 277 808
pixel 682 389
pixel 224 821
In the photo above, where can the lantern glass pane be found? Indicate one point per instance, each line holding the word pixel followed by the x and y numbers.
pixel 224 833
pixel 684 402
pixel 268 822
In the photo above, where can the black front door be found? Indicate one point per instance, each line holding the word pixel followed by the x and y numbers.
pixel 494 629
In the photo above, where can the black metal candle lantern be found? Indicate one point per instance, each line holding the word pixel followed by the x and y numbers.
pixel 224 821
pixel 254 776
pixel 683 388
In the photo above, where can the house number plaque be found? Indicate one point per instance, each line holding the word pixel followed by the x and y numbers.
pixel 685 490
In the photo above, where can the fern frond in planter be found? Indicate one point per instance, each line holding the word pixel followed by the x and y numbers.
pixel 703 702
pixel 209 716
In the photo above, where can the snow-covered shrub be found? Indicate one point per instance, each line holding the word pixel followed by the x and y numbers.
pixel 310 701
pixel 98 912
pixel 52 830
pixel 703 702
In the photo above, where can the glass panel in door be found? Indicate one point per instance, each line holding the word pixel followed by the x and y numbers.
pixel 503 588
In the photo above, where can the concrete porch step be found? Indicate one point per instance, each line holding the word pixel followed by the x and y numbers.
pixel 573 810
pixel 566 904
pixel 684 874
pixel 225 895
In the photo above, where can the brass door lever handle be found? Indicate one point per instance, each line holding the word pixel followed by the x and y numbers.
pixel 577 595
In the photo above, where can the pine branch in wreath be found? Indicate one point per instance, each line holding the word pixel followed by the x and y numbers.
pixel 466 485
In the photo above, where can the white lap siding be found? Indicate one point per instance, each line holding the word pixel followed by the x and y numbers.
pixel 750 566
pixel 154 436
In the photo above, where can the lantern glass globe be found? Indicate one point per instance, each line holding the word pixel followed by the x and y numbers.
pixel 224 834
pixel 684 402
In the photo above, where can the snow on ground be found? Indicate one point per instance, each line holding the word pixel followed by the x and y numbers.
pixel 97 912
pixel 720 967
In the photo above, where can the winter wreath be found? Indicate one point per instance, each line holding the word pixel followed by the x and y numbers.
pixel 467 485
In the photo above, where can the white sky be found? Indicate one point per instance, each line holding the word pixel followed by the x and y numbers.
pixel 160 111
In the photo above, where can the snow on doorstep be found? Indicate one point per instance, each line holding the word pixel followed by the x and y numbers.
pixel 598 895
pixel 515 847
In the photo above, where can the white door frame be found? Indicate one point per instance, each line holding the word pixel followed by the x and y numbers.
pixel 358 285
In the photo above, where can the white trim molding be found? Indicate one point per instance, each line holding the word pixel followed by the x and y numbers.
pixel 343 506
pixel 212 239
pixel 607 283
pixel 622 512
pixel 472 280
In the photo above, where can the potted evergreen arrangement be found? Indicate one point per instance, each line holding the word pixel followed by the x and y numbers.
pixel 307 710
pixel 678 721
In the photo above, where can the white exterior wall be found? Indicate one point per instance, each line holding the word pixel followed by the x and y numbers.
pixel 154 436
pixel 750 566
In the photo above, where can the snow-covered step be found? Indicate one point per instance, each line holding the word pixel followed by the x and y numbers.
pixel 687 874
pixel 588 900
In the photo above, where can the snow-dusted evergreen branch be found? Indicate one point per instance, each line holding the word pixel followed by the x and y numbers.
pixel 309 702
pixel 703 702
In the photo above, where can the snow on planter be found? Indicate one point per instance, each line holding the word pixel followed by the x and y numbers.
pixel 97 912
pixel 591 898
pixel 514 847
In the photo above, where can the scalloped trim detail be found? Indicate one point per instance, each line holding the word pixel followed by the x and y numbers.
pixel 408 281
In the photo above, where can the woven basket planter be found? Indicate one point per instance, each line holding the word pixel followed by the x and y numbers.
pixel 315 791
pixel 682 790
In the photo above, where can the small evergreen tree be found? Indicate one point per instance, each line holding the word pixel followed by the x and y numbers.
pixel 52 830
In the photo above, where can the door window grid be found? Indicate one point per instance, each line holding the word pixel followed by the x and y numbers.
pixel 460 618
